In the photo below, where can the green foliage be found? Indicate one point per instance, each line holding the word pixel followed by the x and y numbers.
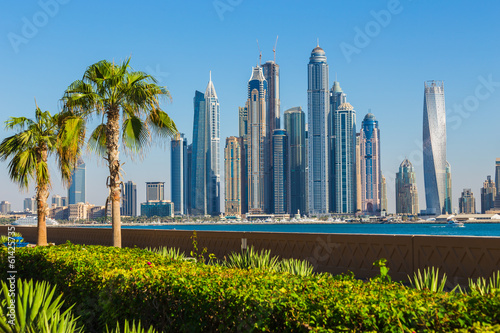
pixel 131 328
pixel 169 252
pixel 116 284
pixel 296 266
pixel 384 270
pixel 250 258
pixel 483 287
pixel 429 280
pixel 4 239
pixel 34 308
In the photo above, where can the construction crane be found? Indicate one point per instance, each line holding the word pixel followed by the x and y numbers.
pixel 274 48
pixel 260 53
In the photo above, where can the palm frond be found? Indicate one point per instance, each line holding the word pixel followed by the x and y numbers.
pixel 161 124
pixel 135 134
pixel 97 140
pixel 22 167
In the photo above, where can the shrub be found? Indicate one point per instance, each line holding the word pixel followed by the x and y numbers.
pixel 428 280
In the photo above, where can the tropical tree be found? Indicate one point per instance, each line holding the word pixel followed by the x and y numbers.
pixel 122 98
pixel 61 134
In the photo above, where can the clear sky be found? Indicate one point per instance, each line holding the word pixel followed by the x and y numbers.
pixel 380 51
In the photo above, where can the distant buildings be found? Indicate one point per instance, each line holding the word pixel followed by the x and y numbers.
pixel 155 204
pixel 318 107
pixel 5 207
pixel 30 205
pixel 155 191
pixel 280 172
pixel 235 180
pixel 406 190
pixel 297 186
pixel 467 203
pixel 179 174
pixel 129 199
pixel 437 179
pixel 383 197
pixel 370 166
pixel 497 183
pixel 488 195
pixel 76 191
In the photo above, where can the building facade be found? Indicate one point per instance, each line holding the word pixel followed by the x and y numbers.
pixel 155 191
pixel 434 147
pixel 280 172
pixel 488 195
pixel 258 145
pixel 129 199
pixel 235 180
pixel 467 203
pixel 370 166
pixel 318 107
pixel 29 205
pixel 199 156
pixel 406 190
pixel 76 191
pixel 5 207
pixel 213 162
pixel 337 98
pixel 345 159
pixel 383 196
pixel 160 208
pixel 179 174
pixel 294 122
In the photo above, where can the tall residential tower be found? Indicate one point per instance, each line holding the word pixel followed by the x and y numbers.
pixel 370 166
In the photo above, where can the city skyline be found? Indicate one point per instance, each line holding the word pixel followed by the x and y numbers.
pixel 384 72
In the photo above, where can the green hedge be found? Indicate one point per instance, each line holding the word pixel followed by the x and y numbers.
pixel 110 284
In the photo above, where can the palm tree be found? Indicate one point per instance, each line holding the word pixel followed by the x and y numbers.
pixel 119 96
pixel 61 134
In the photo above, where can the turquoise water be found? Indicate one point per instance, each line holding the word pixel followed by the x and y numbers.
pixel 472 229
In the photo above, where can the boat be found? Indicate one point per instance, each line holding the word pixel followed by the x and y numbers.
pixel 33 220
pixel 455 223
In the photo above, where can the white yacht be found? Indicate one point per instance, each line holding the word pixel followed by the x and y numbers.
pixel 33 220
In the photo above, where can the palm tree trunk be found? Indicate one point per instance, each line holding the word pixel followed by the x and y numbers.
pixel 112 139
pixel 42 194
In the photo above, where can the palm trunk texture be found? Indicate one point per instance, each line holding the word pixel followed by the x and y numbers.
pixel 112 139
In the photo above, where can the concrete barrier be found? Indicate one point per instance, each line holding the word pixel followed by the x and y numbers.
pixel 460 257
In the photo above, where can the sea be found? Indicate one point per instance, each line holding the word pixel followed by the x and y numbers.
pixel 469 229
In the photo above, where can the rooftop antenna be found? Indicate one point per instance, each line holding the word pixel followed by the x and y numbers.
pixel 210 76
pixel 260 53
pixel 274 48
pixel 317 42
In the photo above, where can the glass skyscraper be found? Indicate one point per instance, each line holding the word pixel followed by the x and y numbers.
pixel 178 169
pixel 434 148
pixel 488 195
pixel 76 191
pixel 406 189
pixel 297 187
pixel 258 155
pixel 213 178
pixel 467 202
pixel 370 165
pixel 129 199
pixel 345 159
pixel 280 171
pixel 318 105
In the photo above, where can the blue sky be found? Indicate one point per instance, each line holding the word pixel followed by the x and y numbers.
pixel 381 51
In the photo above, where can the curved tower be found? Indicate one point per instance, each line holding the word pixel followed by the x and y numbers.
pixel 318 105
pixel 370 165
pixel 434 147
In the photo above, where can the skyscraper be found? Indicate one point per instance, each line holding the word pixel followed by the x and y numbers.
pixel 129 199
pixel 213 178
pixel 178 169
pixel 199 156
pixel 280 172
pixel 337 98
pixel 345 159
pixel 76 191
pixel 383 195
pixel 497 175
pixel 258 155
pixel 448 208
pixel 358 175
pixel 467 203
pixel 5 207
pixel 56 200
pixel 297 185
pixel 30 205
pixel 488 195
pixel 318 105
pixel 189 173
pixel 234 162
pixel 406 189
pixel 155 191
pixel 434 147
pixel 370 165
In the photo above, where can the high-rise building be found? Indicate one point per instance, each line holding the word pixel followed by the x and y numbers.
pixel 318 105
pixel 434 147
pixel 447 202
pixel 76 191
pixel 280 172
pixel 155 191
pixel 358 175
pixel 258 155
pixel 30 205
pixel 189 173
pixel 497 183
pixel 488 195
pixel 235 180
pixel 337 98
pixel 383 196
pixel 370 165
pixel 297 185
pixel 179 174
pixel 157 208
pixel 56 201
pixel 64 201
pixel 467 203
pixel 213 163
pixel 406 189
pixel 5 207
pixel 129 199
pixel 345 159
pixel 199 156
pixel 242 121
